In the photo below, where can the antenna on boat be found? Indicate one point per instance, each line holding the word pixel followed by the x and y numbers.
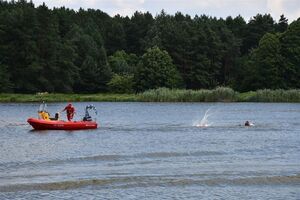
pixel 43 107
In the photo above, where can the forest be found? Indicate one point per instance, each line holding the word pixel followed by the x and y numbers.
pixel 60 50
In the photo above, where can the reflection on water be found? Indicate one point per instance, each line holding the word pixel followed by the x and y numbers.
pixel 154 151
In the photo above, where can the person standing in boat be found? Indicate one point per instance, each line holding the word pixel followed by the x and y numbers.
pixel 70 111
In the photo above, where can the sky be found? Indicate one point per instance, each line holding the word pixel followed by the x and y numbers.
pixel 216 8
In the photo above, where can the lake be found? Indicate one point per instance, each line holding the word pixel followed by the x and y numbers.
pixel 154 151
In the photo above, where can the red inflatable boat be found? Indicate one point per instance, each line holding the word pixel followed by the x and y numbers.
pixel 41 124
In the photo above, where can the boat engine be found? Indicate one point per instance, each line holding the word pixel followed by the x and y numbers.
pixel 87 116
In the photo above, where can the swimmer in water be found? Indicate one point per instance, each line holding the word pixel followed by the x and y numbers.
pixel 247 123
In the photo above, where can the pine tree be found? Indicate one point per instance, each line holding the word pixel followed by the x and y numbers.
pixel 5 84
pixel 282 24
pixel 256 28
pixel 291 52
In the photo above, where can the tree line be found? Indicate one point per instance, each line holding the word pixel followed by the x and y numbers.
pixel 88 51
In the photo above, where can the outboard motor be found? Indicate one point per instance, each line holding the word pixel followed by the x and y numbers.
pixel 87 116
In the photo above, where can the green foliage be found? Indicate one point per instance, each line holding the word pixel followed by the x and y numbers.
pixel 155 70
pixel 264 69
pixel 121 84
pixel 178 95
pixel 94 72
pixel 257 27
pixel 282 24
pixel 237 26
pixel 290 51
pixel 123 63
pixel 116 37
pixel 136 28
pixel 18 47
pixel 55 97
pixel 164 95
pixel 5 85
pixel 220 94
pixel 63 50
pixel 279 95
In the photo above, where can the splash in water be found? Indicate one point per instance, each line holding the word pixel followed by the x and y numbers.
pixel 204 121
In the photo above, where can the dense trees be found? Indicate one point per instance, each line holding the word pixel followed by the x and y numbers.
pixel 263 68
pixel 5 85
pixel 290 51
pixel 87 51
pixel 156 70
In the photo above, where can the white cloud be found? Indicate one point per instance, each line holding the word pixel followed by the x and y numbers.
pixel 122 7
pixel 275 5
pixel 219 8
pixel 127 7
pixel 289 8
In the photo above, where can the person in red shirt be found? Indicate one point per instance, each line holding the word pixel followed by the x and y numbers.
pixel 70 111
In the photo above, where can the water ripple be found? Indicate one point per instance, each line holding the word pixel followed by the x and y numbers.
pixel 150 181
pixel 4 165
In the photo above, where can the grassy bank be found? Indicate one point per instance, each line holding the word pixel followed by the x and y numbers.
pixel 66 97
pixel 177 95
pixel 220 94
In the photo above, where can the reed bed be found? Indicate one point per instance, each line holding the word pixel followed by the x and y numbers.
pixel 220 94
pixel 279 95
pixel 66 97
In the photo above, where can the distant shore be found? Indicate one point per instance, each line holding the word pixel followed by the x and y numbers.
pixel 220 94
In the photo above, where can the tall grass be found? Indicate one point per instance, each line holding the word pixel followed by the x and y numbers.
pixel 39 97
pixel 220 94
pixel 279 95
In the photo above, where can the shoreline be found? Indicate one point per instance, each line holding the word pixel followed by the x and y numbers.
pixel 220 94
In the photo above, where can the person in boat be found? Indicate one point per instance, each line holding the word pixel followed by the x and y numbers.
pixel 70 111
pixel 56 117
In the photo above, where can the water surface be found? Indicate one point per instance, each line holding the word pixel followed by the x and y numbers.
pixel 154 151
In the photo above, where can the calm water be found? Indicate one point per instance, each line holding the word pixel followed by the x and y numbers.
pixel 154 151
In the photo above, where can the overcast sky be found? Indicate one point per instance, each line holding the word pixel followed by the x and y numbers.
pixel 218 8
